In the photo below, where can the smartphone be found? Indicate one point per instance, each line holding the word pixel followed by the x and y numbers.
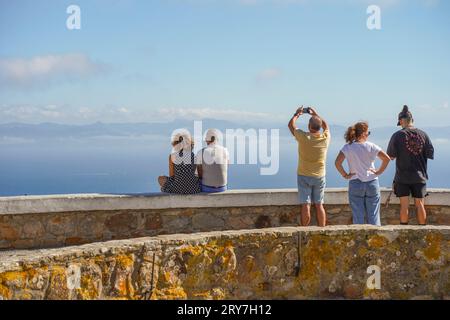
pixel 306 110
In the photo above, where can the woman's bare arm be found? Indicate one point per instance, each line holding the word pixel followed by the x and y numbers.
pixel 383 156
pixel 171 168
pixel 338 163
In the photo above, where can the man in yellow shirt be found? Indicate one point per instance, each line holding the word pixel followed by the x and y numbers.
pixel 312 155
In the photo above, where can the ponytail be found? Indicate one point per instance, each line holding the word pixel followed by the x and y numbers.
pixel 350 135
pixel 354 132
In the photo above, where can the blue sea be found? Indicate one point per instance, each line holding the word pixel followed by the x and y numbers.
pixel 132 165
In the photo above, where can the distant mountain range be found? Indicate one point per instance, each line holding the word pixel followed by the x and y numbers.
pixel 52 130
pixel 59 131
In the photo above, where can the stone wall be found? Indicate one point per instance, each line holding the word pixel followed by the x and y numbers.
pixel 276 263
pixel 55 221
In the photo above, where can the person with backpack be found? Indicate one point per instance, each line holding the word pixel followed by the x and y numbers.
pixel 410 148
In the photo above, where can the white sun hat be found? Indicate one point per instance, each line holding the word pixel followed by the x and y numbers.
pixel 212 133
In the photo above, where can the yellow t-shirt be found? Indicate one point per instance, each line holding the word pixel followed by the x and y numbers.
pixel 312 153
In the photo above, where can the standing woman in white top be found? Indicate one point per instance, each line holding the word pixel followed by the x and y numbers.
pixel 364 189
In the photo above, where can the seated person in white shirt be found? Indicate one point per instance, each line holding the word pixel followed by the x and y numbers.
pixel 212 164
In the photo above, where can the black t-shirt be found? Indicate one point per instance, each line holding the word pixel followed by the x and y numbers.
pixel 411 147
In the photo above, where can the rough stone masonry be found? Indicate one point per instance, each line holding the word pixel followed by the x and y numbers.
pixel 56 221
pixel 273 263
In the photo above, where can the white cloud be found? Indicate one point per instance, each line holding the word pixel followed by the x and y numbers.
pixel 392 3
pixel 256 2
pixel 268 74
pixel 441 141
pixel 25 113
pixel 209 113
pixel 14 141
pixel 123 110
pixel 76 115
pixel 45 70
pixel 64 114
pixel 382 3
pixel 431 114
pixel 434 108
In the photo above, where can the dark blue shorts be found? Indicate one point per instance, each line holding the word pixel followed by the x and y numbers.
pixel 416 190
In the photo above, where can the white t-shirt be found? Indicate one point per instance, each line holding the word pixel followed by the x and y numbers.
pixel 214 161
pixel 361 158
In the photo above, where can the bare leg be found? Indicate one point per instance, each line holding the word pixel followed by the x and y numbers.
pixel 320 215
pixel 162 180
pixel 305 214
pixel 404 212
pixel 420 208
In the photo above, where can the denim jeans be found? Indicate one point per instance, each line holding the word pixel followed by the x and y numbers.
pixel 209 189
pixel 311 189
pixel 365 198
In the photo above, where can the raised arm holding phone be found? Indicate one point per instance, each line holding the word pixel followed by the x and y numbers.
pixel 312 152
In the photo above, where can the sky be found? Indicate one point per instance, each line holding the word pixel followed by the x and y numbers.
pixel 155 60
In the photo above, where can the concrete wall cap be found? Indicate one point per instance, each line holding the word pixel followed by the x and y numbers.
pixel 231 198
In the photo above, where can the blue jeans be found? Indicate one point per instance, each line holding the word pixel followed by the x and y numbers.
pixel 209 189
pixel 365 198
